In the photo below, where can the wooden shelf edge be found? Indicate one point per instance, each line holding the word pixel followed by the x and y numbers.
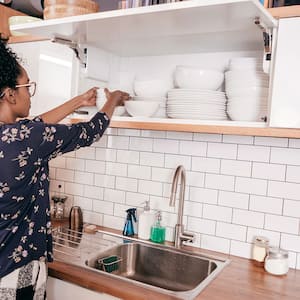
pixel 285 11
pixel 213 129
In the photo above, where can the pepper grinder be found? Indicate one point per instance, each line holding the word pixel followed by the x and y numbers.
pixel 75 219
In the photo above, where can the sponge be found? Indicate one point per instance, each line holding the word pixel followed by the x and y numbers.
pixel 90 228
pixel 109 263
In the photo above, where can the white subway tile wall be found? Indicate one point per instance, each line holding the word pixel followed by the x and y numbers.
pixel 237 187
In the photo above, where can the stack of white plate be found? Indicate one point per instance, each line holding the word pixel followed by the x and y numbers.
pixel 247 89
pixel 161 112
pixel 196 104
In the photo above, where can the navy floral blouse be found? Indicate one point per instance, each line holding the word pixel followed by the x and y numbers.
pixel 25 150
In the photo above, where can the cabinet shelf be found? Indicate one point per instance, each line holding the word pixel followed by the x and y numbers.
pixel 213 127
pixel 183 27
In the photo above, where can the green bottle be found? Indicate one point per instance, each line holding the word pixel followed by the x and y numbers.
pixel 158 232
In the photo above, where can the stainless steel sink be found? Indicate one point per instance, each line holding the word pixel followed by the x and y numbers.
pixel 160 268
pixel 166 269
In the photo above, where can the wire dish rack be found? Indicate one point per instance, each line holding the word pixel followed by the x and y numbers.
pixel 75 247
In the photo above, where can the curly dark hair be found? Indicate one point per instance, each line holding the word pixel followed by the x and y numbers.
pixel 10 68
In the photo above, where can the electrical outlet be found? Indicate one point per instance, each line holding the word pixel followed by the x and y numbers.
pixel 57 186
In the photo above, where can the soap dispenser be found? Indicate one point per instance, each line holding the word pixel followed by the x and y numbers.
pixel 145 221
pixel 130 218
pixel 158 232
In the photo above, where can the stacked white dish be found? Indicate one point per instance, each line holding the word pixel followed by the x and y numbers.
pixel 196 104
pixel 152 91
pixel 247 88
pixel 196 95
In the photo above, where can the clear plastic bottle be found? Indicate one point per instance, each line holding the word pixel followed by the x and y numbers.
pixel 158 232
pixel 145 221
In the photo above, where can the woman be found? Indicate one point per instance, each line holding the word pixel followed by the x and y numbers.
pixel 26 146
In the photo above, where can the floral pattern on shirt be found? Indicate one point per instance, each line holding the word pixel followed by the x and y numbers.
pixel 25 150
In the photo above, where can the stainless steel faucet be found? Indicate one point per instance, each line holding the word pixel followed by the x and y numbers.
pixel 180 235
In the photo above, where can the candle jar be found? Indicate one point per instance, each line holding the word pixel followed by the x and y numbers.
pixel 277 261
pixel 58 209
pixel 259 250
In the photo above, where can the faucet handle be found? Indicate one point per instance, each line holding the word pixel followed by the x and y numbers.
pixel 187 237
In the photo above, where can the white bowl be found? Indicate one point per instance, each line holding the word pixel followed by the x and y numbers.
pixel 188 77
pixel 101 98
pixel 250 100
pixel 233 84
pixel 250 91
pixel 119 111
pixel 151 99
pixel 141 108
pixel 152 87
pixel 249 59
pixel 250 115
pixel 15 20
pixel 245 63
pixel 161 113
pixel 246 75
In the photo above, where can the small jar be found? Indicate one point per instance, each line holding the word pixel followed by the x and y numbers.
pixel 277 261
pixel 60 209
pixel 259 250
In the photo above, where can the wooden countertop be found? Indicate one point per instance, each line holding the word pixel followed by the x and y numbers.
pixel 240 280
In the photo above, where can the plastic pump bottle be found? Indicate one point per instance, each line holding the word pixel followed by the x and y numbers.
pixel 129 223
pixel 158 232
pixel 146 220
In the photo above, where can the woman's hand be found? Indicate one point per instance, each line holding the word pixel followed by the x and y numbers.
pixel 60 112
pixel 88 98
pixel 116 98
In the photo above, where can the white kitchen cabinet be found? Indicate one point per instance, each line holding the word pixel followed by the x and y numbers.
pixel 191 26
pixel 59 289
pixel 52 67
pixel 144 39
pixel 285 109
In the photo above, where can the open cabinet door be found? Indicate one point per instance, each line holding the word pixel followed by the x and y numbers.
pixel 285 107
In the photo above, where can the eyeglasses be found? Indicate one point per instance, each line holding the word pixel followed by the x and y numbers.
pixel 31 87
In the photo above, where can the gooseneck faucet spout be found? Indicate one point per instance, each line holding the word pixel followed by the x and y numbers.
pixel 180 235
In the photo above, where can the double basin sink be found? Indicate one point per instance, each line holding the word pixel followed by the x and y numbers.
pixel 164 269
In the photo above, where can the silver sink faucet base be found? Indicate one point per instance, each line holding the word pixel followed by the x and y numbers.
pixel 180 234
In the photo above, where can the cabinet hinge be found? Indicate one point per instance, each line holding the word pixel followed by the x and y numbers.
pixel 79 52
pixel 267 39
